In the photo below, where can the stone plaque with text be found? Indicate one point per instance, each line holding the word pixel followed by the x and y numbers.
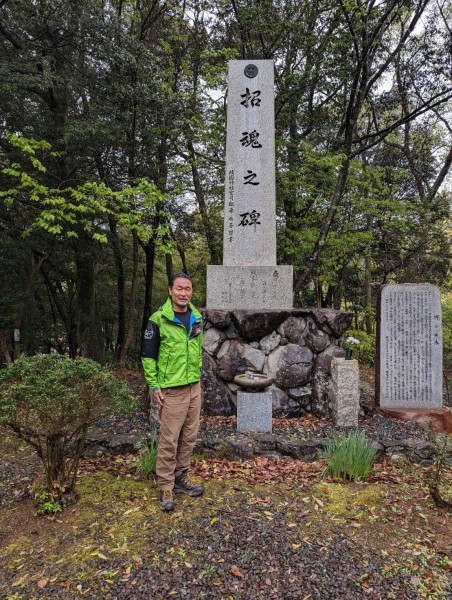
pixel 249 288
pixel 410 346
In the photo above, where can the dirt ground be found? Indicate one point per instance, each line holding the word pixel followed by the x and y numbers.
pixel 277 529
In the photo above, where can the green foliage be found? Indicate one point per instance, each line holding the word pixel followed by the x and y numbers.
pixel 49 400
pixel 70 210
pixel 47 506
pixel 365 351
pixel 350 457
pixel 446 305
pixel 440 475
pixel 148 457
pixel 129 97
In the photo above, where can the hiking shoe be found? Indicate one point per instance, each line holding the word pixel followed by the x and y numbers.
pixel 183 485
pixel 166 500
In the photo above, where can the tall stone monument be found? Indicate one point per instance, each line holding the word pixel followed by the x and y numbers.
pixel 249 277
pixel 409 360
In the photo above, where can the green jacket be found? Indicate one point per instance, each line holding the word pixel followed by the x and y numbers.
pixel 171 355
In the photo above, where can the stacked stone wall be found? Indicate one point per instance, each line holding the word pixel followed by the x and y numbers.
pixel 295 347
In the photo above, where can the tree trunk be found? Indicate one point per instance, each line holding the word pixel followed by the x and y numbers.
pixel 4 351
pixel 149 251
pixel 120 286
pixel 16 342
pixel 132 304
pixel 209 232
pixel 89 332
pixel 368 290
pixel 35 268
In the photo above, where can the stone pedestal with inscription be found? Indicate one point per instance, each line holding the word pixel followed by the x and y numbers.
pixel 249 288
pixel 249 277
pixel 409 347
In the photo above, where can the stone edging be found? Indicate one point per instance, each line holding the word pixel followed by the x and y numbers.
pixel 244 447
pixel 247 446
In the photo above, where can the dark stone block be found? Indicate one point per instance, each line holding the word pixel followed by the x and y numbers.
pixel 214 443
pixel 333 321
pixel 238 448
pixel 253 326
pixel 265 441
pixel 239 358
pixel 293 329
pixel 221 319
pixel 312 450
pixel 317 340
pixel 216 396
pixel 323 361
pixel 125 443
pixel 294 375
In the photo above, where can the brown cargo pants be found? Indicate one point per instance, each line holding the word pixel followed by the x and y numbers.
pixel 179 423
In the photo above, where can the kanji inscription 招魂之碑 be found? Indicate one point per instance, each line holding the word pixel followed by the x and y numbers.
pixel 250 218
pixel 249 179
pixel 250 99
pixel 250 139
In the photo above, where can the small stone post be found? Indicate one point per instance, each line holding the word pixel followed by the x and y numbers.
pixel 344 392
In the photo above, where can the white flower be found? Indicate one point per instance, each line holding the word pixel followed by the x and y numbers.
pixel 351 342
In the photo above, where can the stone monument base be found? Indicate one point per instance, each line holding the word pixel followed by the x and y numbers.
pixel 254 412
pixel 249 287
pixel 439 418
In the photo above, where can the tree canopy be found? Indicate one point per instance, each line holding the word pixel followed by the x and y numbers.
pixel 112 151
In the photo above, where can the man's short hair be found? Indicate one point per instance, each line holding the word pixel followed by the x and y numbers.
pixel 178 276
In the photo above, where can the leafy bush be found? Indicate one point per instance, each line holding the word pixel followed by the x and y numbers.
pixel 365 351
pixel 49 401
pixel 446 305
pixel 349 456
pixel 148 457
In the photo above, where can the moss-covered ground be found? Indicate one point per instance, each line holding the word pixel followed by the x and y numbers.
pixel 254 533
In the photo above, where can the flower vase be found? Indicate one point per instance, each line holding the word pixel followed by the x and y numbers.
pixel 348 353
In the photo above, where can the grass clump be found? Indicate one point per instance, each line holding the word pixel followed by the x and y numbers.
pixel 148 457
pixel 350 457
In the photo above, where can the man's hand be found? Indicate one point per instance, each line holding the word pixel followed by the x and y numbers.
pixel 159 397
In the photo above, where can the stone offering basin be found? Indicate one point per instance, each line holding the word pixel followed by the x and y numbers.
pixel 253 381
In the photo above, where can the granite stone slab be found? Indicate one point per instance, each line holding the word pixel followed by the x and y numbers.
pixel 249 288
pixel 254 412
pixel 344 392
pixel 250 209
pixel 410 346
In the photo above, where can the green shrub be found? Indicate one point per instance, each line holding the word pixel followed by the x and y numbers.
pixel 49 401
pixel 365 352
pixel 349 456
pixel 46 504
pixel 148 457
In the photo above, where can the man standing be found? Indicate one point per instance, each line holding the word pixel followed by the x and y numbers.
pixel 172 361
